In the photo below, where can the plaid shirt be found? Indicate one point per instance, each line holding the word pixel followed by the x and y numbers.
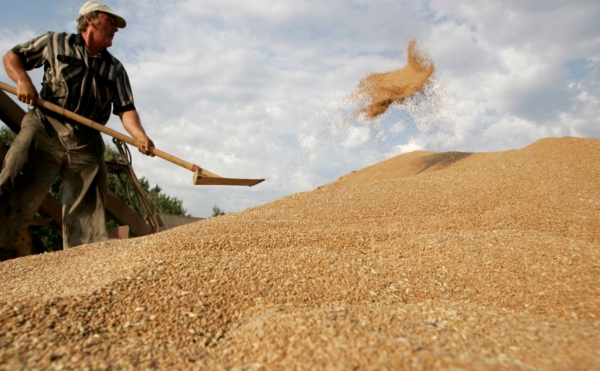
pixel 76 80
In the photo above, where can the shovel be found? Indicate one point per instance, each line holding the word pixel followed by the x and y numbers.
pixel 201 176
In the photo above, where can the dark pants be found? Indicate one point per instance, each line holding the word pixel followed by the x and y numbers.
pixel 45 148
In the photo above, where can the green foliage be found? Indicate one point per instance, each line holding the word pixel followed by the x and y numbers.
pixel 217 211
pixel 7 136
pixel 50 238
pixel 164 203
pixel 111 154
pixel 124 189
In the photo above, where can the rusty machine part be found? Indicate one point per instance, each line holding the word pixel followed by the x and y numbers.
pixel 152 218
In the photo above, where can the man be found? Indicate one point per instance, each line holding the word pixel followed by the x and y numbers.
pixel 81 76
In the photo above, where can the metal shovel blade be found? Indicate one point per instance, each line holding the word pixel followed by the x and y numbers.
pixel 202 177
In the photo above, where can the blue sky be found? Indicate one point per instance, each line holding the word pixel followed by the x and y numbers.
pixel 263 88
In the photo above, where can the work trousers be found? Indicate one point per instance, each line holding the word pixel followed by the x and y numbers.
pixel 46 147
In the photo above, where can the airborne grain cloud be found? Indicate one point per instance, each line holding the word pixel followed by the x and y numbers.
pixel 383 89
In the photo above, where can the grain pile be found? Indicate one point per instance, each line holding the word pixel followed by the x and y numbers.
pixel 425 261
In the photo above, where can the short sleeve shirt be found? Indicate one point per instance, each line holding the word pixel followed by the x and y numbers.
pixel 75 80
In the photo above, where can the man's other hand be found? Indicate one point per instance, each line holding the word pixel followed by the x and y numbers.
pixel 26 93
pixel 146 145
pixel 132 123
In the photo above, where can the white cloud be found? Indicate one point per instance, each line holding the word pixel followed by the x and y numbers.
pixel 508 66
pixel 356 137
pixel 411 146
pixel 512 132
pixel 234 10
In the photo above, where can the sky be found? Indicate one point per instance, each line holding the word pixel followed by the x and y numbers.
pixel 263 88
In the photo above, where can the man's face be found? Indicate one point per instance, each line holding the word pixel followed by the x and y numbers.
pixel 104 29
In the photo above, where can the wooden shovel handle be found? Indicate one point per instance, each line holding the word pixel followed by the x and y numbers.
pixel 103 129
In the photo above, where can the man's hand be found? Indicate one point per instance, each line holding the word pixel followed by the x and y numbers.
pixel 26 92
pixel 146 145
pixel 132 123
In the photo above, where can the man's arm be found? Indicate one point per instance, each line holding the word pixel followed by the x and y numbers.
pixel 132 123
pixel 15 69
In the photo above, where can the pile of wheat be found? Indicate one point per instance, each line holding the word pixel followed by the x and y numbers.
pixel 425 261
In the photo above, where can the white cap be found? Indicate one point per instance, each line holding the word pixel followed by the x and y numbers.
pixel 96 6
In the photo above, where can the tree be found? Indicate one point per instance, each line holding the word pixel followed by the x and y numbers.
pixel 6 135
pixel 159 201
pixel 217 211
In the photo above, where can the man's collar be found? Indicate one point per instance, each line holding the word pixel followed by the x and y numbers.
pixel 79 39
pixel 104 53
